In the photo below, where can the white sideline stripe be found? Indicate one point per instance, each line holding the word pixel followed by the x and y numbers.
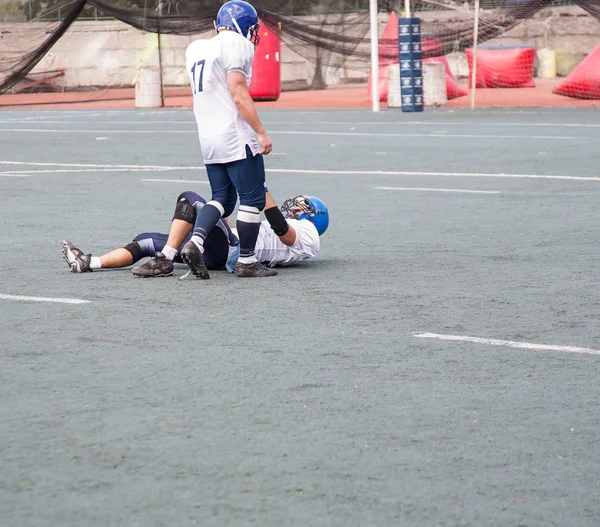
pixel 16 174
pixel 508 343
pixel 44 299
pixel 23 173
pixel 46 120
pixel 445 136
pixel 177 181
pixel 435 174
pixel 95 165
pixel 299 132
pixel 441 190
pixel 308 171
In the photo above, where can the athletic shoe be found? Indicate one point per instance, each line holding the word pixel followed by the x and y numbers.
pixel 192 256
pixel 78 262
pixel 160 265
pixel 253 270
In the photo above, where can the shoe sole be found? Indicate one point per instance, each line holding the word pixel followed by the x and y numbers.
pixel 152 275
pixel 255 275
pixel 246 274
pixel 70 258
pixel 187 260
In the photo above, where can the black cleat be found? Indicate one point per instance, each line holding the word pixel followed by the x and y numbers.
pixel 160 265
pixel 192 256
pixel 78 262
pixel 253 270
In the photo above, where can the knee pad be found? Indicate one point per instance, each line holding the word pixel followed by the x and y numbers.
pixel 184 211
pixel 135 250
pixel 144 243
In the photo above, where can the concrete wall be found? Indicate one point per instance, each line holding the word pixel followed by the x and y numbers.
pixel 110 53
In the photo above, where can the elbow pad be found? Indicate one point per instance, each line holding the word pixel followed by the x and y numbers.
pixel 277 221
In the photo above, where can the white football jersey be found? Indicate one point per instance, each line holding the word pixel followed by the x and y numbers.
pixel 272 252
pixel 223 133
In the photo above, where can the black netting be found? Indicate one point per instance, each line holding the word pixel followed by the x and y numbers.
pixel 329 34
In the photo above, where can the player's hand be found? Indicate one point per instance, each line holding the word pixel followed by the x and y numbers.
pixel 266 145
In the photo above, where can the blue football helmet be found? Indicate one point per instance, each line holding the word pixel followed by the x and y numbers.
pixel 241 17
pixel 307 208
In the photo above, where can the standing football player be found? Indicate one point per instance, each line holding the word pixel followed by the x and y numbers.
pixel 232 137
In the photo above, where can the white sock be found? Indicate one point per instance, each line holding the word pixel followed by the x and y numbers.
pixel 247 259
pixel 95 263
pixel 199 242
pixel 169 252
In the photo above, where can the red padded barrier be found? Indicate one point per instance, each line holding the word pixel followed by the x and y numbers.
pixel 584 81
pixel 266 68
pixel 510 67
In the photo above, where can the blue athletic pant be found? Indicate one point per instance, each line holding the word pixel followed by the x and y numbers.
pixel 245 177
pixel 216 247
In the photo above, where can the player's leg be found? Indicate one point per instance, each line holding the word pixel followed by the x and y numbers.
pixel 216 248
pixel 248 176
pixel 76 259
pixel 221 204
pixel 143 245
pixel 183 220
pixel 151 244
pixel 186 210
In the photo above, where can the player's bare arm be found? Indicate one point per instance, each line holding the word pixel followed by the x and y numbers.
pixel 276 220
pixel 236 83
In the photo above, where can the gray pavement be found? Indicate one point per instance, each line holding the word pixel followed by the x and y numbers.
pixel 306 399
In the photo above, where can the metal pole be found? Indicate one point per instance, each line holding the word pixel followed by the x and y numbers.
pixel 475 41
pixel 374 55
pixel 407 8
pixel 160 70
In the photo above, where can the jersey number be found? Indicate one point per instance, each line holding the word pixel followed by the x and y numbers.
pixel 200 66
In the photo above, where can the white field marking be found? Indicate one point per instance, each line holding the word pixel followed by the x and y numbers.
pixel 433 174
pixel 25 173
pixel 307 171
pixel 468 136
pixel 177 181
pixel 441 190
pixel 508 343
pixel 44 299
pixel 435 123
pixel 332 123
pixel 300 132
pixel 93 165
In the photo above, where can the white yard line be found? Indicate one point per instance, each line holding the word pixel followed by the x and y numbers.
pixel 444 136
pixel 176 181
pixel 44 299
pixel 300 132
pixel 90 165
pixel 46 120
pixel 441 190
pixel 25 173
pixel 508 343
pixel 144 168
